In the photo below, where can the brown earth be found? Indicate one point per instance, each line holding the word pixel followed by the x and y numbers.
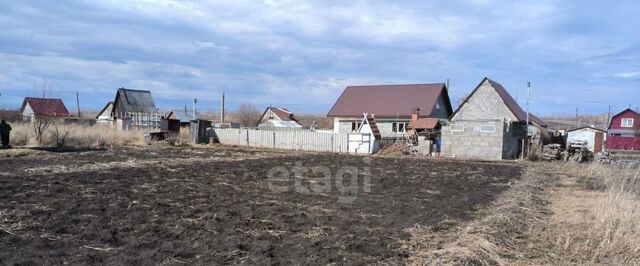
pixel 169 206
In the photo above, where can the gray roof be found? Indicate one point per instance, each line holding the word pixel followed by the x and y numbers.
pixel 184 116
pixel 134 101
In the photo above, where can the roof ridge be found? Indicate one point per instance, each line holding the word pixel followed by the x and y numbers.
pixel 404 84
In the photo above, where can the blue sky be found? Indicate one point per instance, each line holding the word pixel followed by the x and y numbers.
pixel 301 54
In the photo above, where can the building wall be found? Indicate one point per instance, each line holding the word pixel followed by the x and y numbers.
pixel 472 142
pixel 440 110
pixel 616 121
pixel 585 134
pixel 27 114
pixel 385 126
pixel 484 108
pixel 486 104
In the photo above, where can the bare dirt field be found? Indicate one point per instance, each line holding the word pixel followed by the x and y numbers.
pixel 177 205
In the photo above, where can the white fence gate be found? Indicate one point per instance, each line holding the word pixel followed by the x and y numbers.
pixel 297 140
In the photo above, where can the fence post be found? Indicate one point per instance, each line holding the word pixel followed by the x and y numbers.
pixel 274 139
pixel 247 137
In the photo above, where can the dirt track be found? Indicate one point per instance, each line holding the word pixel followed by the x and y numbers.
pixel 212 206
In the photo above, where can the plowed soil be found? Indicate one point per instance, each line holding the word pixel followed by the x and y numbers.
pixel 224 205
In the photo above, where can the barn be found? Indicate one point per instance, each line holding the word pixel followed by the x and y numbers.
pixel 32 108
pixel 624 131
pixel 135 108
pixel 594 137
pixel 489 124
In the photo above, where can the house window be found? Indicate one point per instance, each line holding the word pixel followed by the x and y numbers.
pixel 398 127
pixel 627 122
pixel 488 128
pixel 355 125
pixel 457 127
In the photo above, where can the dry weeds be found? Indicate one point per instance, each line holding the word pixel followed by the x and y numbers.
pixel 496 238
pixel 596 216
pixel 100 136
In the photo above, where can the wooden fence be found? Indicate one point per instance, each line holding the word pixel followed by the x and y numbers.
pixel 290 140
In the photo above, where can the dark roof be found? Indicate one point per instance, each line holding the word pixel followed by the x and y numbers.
pixel 46 106
pixel 389 100
pixel 282 113
pixel 513 106
pixel 134 101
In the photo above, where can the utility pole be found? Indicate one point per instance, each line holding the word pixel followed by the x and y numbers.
pixel 528 104
pixel 222 108
pixel 608 117
pixel 193 114
pixel 577 121
pixel 78 103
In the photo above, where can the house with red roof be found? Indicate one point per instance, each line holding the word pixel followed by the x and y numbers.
pixel 392 106
pixel 32 108
pixel 624 131
pixel 489 124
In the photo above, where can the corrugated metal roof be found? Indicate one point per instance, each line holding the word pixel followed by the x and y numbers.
pixel 389 100
pixel 45 106
pixel 281 124
pixel 184 116
pixel 424 123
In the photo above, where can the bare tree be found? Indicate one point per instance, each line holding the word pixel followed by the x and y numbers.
pixel 60 134
pixel 41 122
pixel 248 115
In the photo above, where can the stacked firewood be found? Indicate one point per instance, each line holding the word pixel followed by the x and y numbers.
pixel 551 152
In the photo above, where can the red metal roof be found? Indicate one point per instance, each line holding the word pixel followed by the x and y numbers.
pixel 389 101
pixel 424 123
pixel 46 106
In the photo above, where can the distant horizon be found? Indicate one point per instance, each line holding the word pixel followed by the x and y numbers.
pixel 302 54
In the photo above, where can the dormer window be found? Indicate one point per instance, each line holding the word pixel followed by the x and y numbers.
pixel 627 122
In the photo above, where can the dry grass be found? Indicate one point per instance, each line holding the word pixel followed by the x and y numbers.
pixel 599 224
pixel 494 239
pixel 85 136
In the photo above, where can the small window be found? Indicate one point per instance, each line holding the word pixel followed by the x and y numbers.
pixel 401 127
pixel 394 127
pixel 488 128
pixel 457 127
pixel 627 122
pixel 353 126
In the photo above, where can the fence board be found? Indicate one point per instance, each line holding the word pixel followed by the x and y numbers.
pixel 291 140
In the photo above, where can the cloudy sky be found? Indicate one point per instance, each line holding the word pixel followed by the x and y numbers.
pixel 301 54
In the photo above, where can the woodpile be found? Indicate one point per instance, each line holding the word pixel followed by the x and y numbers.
pixel 552 152
pixel 578 151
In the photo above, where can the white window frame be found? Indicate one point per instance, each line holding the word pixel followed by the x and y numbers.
pixel 488 131
pixel 623 124
pixel 395 127
pixel 456 130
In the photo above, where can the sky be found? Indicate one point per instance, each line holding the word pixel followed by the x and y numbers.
pixel 302 54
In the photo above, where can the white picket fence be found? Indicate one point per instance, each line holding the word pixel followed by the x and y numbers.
pixel 294 140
